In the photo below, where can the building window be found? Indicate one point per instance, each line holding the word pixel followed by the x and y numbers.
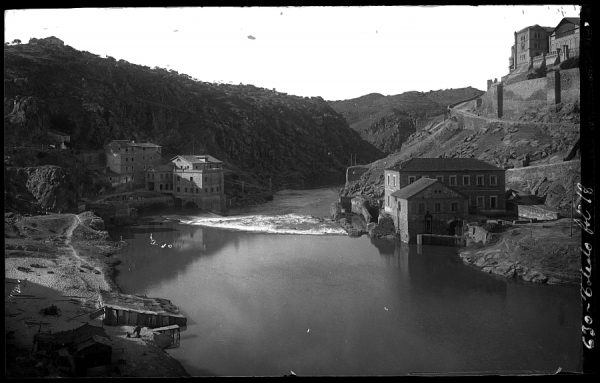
pixel 185 190
pixel 493 180
pixel 493 202
pixel 388 199
pixel 178 190
pixel 480 201
pixel 440 178
pixel 211 190
pixel 191 179
pixel 206 190
pixel 394 180
pixel 421 208
pixel 466 180
pixel 454 206
pixel 452 180
pixel 411 179
pixel 438 207
pixel 389 179
pixel 480 180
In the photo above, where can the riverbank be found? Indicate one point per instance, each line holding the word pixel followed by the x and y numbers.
pixel 542 252
pixel 64 260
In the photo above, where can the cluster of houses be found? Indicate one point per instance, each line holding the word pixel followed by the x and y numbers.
pixel 551 45
pixel 436 195
pixel 128 165
pixel 192 179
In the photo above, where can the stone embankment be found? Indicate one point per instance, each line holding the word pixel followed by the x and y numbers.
pixel 535 252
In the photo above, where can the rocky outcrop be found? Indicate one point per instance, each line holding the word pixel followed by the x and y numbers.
pixel 36 189
pixel 540 253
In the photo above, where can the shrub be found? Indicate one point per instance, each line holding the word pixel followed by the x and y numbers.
pixel 538 73
pixel 572 62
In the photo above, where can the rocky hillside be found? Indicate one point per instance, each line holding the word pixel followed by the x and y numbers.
pixel 260 134
pixel 503 143
pixel 387 121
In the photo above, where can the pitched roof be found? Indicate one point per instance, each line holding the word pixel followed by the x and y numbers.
pixel 195 159
pixel 536 27
pixel 443 164
pixel 133 143
pixel 145 145
pixel 162 167
pixel 414 188
pixel 574 20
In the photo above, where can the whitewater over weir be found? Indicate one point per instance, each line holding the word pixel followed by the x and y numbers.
pixel 273 224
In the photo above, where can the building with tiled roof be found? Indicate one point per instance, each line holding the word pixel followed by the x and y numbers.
pixel 482 183
pixel 131 160
pixel 427 206
pixel 199 179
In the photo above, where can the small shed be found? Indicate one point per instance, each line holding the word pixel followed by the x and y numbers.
pixel 136 310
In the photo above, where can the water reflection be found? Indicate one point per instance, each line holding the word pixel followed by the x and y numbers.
pixel 158 254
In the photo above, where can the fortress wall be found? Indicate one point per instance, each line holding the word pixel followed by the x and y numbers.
pixel 569 85
pixel 533 174
pixel 523 96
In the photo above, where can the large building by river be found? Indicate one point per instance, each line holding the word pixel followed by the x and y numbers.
pixel 195 179
pixel 481 182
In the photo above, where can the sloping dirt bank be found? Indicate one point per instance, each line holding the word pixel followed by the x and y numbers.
pixel 535 252
pixel 63 260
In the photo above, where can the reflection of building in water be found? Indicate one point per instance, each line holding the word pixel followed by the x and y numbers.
pixel 192 239
pixel 401 255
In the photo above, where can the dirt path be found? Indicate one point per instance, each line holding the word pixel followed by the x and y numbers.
pixel 49 260
pixel 460 109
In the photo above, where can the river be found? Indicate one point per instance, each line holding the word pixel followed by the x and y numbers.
pixel 271 289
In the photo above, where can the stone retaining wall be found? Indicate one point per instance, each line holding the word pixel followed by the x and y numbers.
pixel 539 212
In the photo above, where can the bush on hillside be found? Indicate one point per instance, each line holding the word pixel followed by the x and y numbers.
pixel 538 73
pixel 572 62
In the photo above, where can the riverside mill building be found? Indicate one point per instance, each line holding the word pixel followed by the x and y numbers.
pixel 191 179
pixel 435 195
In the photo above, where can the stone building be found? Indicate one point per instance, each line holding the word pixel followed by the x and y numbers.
pixel 130 160
pixel 564 40
pixel 427 206
pixel 160 178
pixel 537 46
pixel 530 42
pixel 199 179
pixel 482 183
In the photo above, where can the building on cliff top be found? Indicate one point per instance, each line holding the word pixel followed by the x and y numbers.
pixel 483 184
pixel 427 206
pixel 535 45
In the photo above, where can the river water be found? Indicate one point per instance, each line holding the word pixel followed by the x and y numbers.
pixel 263 301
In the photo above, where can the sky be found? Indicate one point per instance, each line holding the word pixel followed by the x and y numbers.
pixel 333 52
